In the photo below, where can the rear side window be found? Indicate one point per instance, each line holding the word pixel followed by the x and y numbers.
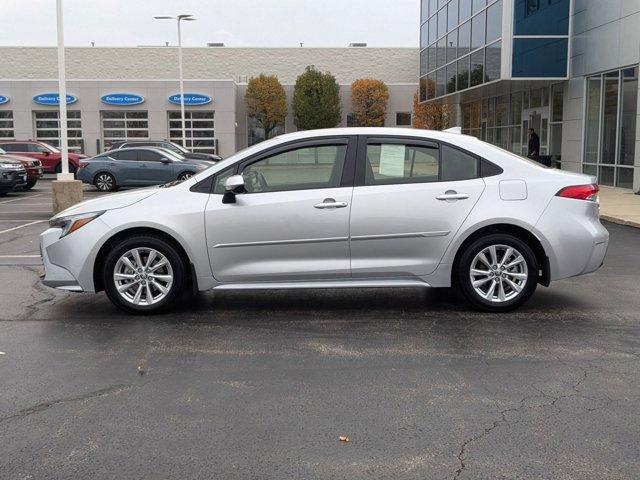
pixel 457 165
pixel 14 147
pixel 398 163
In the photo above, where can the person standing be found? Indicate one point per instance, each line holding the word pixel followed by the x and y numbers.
pixel 534 145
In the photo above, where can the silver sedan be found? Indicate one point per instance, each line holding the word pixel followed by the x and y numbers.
pixel 338 208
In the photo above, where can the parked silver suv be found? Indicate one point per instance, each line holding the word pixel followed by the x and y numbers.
pixel 351 207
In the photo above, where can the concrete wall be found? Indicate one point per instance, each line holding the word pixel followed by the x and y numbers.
pixel 392 65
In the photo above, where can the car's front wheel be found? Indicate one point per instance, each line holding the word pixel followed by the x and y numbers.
pixel 185 175
pixel 497 273
pixel 143 274
pixel 105 182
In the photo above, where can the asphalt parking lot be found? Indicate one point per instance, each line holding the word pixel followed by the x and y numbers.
pixel 262 384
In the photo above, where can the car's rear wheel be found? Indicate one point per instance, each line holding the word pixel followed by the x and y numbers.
pixel 184 175
pixel 105 182
pixel 30 184
pixel 497 273
pixel 143 274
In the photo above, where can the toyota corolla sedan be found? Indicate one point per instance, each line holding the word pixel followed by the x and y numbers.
pixel 338 208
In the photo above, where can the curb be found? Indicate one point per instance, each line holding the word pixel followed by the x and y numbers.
pixel 620 221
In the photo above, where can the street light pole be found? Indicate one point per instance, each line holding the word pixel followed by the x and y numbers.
pixel 184 131
pixel 66 191
pixel 188 18
pixel 62 93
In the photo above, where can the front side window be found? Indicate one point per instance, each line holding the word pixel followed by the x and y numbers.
pixel 399 163
pixel 149 156
pixel 298 169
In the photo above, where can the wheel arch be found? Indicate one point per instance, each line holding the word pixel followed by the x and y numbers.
pixel 122 234
pixel 520 232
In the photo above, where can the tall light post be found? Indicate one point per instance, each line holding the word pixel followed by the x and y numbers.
pixel 62 93
pixel 186 18
pixel 66 190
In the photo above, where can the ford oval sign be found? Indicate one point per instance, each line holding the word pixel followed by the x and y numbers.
pixel 3 99
pixel 191 99
pixel 122 99
pixel 53 99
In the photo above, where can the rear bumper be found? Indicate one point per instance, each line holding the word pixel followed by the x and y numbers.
pixel 577 239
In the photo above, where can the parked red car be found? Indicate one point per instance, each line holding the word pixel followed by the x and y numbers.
pixel 31 165
pixel 49 156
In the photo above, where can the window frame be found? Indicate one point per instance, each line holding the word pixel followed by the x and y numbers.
pixel 482 163
pixel 348 172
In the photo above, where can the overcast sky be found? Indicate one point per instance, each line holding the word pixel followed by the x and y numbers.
pixel 238 23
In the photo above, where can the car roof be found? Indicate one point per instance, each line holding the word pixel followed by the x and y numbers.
pixel 155 149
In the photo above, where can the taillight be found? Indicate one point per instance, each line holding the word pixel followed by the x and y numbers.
pixel 82 164
pixel 580 192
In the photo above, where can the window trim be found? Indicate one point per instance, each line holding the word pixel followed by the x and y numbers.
pixel 364 140
pixel 348 172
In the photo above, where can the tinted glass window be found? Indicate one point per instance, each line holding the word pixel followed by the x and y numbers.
pixel 541 17
pixel 492 61
pixel 477 67
pixel 149 156
pixel 130 155
pixel 477 31
pixel 13 147
pixel 452 14
pixel 457 165
pixel 465 9
pixel 540 57
pixel 494 21
pixel 398 163
pixel 300 169
pixel 464 38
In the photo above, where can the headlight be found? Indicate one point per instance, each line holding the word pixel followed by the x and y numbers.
pixel 71 223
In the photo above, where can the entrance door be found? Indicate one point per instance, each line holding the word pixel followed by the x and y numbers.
pixel 538 119
pixel 293 221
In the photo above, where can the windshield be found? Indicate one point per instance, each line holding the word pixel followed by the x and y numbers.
pixel 174 147
pixel 50 147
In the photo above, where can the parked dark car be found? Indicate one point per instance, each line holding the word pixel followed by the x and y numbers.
pixel 12 175
pixel 33 168
pixel 49 156
pixel 137 167
pixel 174 147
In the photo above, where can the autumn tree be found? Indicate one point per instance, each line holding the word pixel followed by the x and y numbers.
pixel 430 116
pixel 369 99
pixel 316 100
pixel 266 102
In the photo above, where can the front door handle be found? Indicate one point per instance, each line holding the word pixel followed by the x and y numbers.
pixel 453 195
pixel 330 203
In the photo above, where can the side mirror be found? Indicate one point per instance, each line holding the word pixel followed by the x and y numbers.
pixel 233 186
pixel 165 160
pixel 46 153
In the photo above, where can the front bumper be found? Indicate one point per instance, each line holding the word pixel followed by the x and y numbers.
pixel 68 261
pixel 10 179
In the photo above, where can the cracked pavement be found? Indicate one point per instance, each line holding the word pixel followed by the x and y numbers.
pixel 261 384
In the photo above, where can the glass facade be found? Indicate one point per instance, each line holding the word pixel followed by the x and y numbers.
pixel 6 124
pixel 610 126
pixel 540 57
pixel 198 129
pixel 47 128
pixel 460 45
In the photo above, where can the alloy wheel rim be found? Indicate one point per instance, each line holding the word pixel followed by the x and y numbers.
pixel 105 182
pixel 185 176
pixel 143 276
pixel 498 273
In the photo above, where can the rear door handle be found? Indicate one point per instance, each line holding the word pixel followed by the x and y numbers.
pixel 453 196
pixel 330 203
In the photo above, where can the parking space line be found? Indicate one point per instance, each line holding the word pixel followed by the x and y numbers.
pixel 21 226
pixel 19 256
pixel 21 198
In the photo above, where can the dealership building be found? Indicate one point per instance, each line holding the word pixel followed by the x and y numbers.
pixel 566 68
pixel 132 93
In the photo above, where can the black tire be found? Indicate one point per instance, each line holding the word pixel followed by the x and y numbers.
pixel 464 280
pixel 159 244
pixel 30 184
pixel 105 182
pixel 184 175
